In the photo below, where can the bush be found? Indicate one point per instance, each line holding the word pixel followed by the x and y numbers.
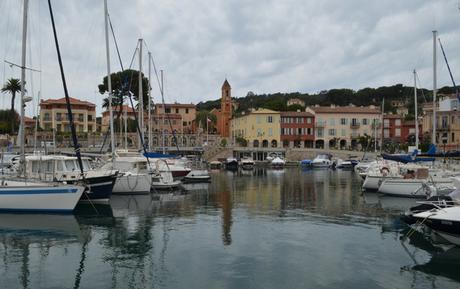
pixel 223 142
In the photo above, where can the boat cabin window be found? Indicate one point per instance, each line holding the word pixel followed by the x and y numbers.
pixel 86 165
pixel 70 165
pixel 35 166
pixel 46 166
pixel 59 166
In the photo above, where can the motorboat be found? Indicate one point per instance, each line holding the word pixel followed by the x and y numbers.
pixel 134 175
pixel 197 176
pixel 231 164
pixel 346 164
pixel 306 163
pixel 60 168
pixel 444 221
pixel 380 171
pixel 215 165
pixel 418 183
pixel 247 164
pixel 322 161
pixel 164 181
pixel 179 167
pixel 33 196
pixel 278 163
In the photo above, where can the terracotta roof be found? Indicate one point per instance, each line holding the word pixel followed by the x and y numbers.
pixel 295 113
pixel 344 109
pixel 264 111
pixel 62 101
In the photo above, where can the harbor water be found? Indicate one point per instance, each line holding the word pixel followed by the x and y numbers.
pixel 248 229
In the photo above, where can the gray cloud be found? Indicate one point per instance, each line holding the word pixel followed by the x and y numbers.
pixel 262 46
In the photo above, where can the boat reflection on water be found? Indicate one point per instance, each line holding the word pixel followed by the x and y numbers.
pixel 443 257
pixel 28 238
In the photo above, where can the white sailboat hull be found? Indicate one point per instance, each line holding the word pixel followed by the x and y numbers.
pixel 38 197
pixel 408 187
pixel 133 184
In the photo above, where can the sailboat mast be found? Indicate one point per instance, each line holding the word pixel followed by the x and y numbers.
pixel 150 102
pixel 164 111
pixel 141 98
pixel 433 140
pixel 383 124
pixel 109 79
pixel 415 109
pixel 23 90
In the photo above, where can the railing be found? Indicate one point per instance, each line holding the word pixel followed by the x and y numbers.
pixel 354 125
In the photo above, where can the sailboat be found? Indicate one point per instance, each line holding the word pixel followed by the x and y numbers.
pixel 134 177
pixel 21 194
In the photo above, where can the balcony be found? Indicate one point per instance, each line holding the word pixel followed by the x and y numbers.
pixel 354 125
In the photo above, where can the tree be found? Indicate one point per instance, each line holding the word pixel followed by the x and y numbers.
pixel 201 118
pixel 7 122
pixel 12 86
pixel 124 82
pixel 295 107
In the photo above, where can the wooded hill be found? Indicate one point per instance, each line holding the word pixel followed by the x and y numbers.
pixel 366 96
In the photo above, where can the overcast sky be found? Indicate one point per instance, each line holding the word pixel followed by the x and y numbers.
pixel 262 46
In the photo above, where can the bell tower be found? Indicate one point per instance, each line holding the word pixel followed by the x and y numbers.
pixel 225 110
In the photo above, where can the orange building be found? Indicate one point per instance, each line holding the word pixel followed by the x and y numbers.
pixel 224 114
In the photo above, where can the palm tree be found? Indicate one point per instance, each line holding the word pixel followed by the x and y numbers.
pixel 12 86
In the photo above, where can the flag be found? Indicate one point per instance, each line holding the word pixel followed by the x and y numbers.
pixel 208 119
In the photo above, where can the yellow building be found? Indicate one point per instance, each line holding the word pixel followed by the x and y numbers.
pixel 53 115
pixel 260 128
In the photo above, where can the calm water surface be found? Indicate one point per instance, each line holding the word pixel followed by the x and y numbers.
pixel 260 229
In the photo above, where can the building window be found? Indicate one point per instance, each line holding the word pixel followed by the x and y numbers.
pixel 397 132
pixel 90 117
pixel 270 131
pixel 59 128
pixel 270 119
pixel 331 132
pixel 398 122
pixel 319 132
pixel 308 119
pixel 184 123
pixel 364 121
pixel 354 121
pixel 90 128
pixel 46 117
pixel 332 121
pixel 186 110
pixel 386 133
pixel 386 122
pixel 343 121
pixel 309 131
pixel 168 110
pixel 299 131
pixel 58 116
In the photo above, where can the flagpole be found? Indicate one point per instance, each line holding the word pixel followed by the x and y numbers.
pixel 207 130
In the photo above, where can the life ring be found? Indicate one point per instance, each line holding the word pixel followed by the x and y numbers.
pixel 384 171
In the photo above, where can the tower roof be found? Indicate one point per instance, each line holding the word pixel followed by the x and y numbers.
pixel 226 84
